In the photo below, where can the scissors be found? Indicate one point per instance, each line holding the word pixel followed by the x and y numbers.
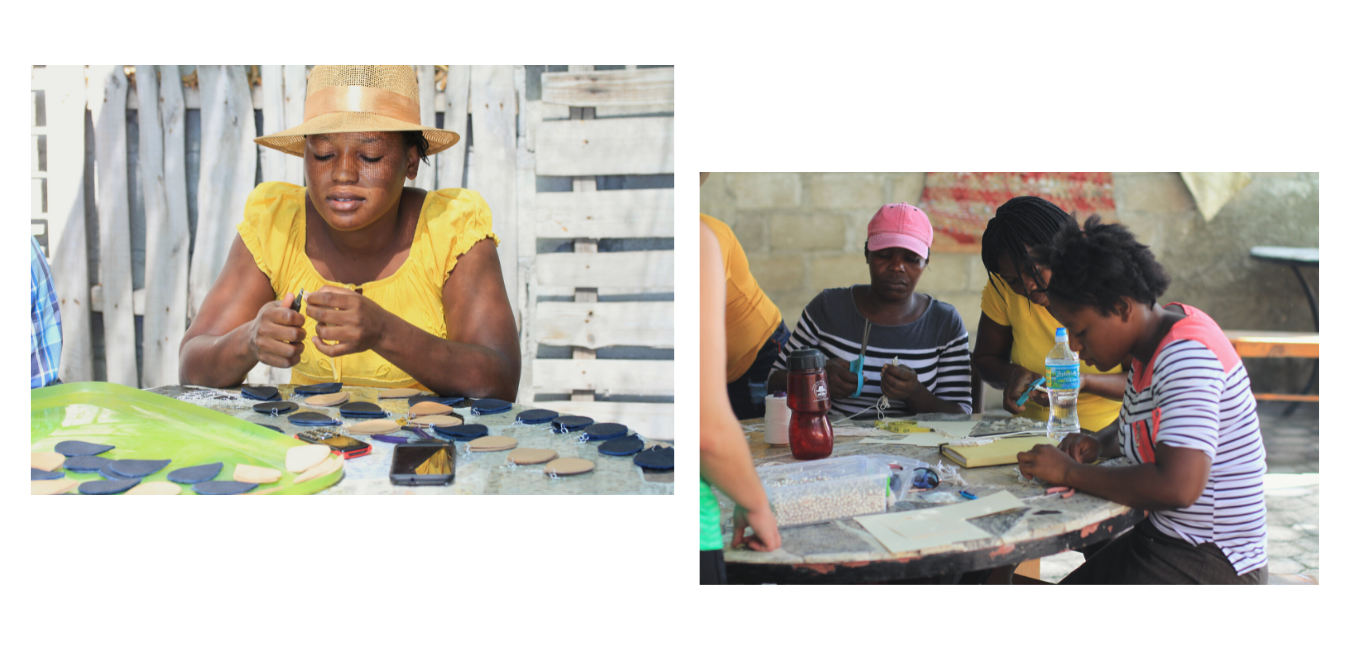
pixel 1034 385
pixel 856 366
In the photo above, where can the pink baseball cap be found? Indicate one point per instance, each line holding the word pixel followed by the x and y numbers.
pixel 900 224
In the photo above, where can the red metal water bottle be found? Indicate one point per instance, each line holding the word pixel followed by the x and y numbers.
pixel 808 396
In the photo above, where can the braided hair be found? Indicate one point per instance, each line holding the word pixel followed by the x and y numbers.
pixel 1099 264
pixel 1022 222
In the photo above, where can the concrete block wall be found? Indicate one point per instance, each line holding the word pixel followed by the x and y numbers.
pixel 804 232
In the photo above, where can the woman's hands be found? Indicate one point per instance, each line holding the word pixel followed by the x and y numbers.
pixel 1018 380
pixel 899 382
pixel 277 334
pixel 765 525
pixel 352 321
pixel 841 380
pixel 1046 463
pixel 1081 447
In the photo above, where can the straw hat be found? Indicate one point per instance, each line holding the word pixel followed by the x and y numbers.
pixel 359 98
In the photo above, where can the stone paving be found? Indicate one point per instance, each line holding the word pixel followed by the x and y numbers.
pixel 1292 490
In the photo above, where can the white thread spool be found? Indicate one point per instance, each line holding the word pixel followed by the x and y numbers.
pixel 776 414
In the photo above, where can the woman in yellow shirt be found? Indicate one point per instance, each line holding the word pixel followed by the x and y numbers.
pixel 404 288
pixel 1016 331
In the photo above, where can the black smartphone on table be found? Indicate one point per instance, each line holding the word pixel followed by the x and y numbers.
pixel 423 463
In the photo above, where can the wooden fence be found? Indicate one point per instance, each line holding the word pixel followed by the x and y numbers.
pixel 594 271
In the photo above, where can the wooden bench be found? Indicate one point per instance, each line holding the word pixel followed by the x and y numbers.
pixel 1252 343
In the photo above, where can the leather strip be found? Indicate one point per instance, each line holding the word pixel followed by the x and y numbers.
pixel 362 99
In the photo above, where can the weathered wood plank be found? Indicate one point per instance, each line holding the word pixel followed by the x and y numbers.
pixel 637 271
pixel 108 88
pixel 638 145
pixel 173 114
pixel 654 421
pixel 227 172
pixel 492 172
pixel 646 87
pixel 294 76
pixel 274 120
pixel 602 324
pixel 160 363
pixel 64 87
pixel 450 163
pixel 525 250
pixel 426 95
pixel 618 213
pixel 605 376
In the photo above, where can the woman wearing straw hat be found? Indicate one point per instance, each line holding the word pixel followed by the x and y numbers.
pixel 404 288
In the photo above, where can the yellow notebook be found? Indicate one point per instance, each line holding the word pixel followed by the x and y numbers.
pixel 999 452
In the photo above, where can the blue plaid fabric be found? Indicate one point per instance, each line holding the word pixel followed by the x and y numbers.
pixel 46 321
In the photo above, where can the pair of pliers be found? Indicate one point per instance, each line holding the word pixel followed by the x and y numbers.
pixel 856 365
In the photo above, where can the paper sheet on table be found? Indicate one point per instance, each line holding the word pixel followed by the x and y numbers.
pixel 916 439
pixel 931 527
pixel 958 429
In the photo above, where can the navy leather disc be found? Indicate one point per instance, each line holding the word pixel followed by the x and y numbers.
pixel 264 393
pixel 268 426
pixel 361 410
pixel 461 431
pixel 108 487
pixel 86 463
pixel 448 401
pixel 606 431
pixel 70 448
pixel 311 419
pixel 134 468
pixel 656 458
pixel 488 406
pixel 275 408
pixel 536 416
pixel 624 446
pixel 196 473
pixel 223 487
pixel 44 475
pixel 397 440
pixel 571 423
pixel 319 389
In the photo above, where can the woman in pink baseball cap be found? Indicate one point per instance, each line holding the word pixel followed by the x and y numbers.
pixel 884 338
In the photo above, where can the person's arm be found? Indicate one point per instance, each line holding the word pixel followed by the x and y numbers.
pixel 1175 480
pixel 724 456
pixel 993 349
pixel 480 356
pixel 1110 386
pixel 239 324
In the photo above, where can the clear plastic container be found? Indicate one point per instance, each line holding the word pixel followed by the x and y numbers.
pixel 902 474
pixel 827 489
pixel 1061 365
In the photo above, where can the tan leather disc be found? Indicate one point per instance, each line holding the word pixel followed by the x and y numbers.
pixel 569 466
pixel 157 487
pixel 527 456
pixel 302 458
pixel 255 474
pixel 399 393
pixel 329 465
pixel 331 399
pixel 48 461
pixel 55 486
pixel 373 426
pixel 492 443
pixel 430 408
pixel 437 420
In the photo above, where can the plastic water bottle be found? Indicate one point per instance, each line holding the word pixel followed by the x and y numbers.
pixel 1062 367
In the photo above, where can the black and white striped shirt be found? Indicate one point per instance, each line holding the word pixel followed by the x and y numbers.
pixel 935 345
pixel 1195 395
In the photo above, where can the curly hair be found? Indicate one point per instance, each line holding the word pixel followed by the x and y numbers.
pixel 416 139
pixel 1100 264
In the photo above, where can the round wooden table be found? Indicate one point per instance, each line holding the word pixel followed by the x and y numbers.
pixel 842 551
